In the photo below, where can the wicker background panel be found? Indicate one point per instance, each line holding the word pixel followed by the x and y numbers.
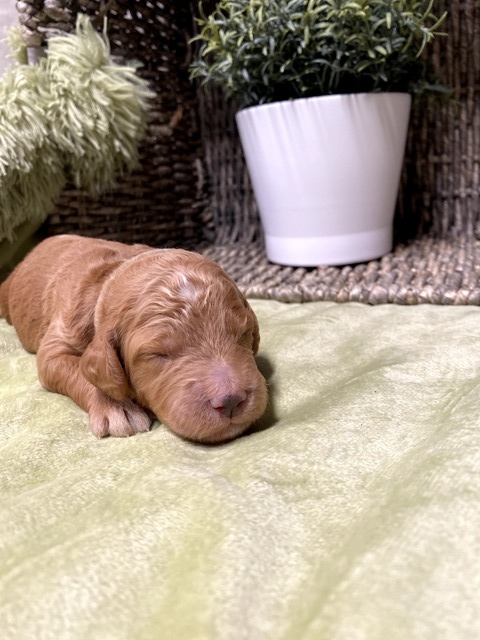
pixel 441 180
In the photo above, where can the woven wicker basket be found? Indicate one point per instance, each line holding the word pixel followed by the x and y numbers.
pixel 193 189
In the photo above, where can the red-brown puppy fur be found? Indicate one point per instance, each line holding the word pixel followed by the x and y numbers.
pixel 127 330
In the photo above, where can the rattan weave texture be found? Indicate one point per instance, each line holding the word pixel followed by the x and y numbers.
pixel 426 270
pixel 193 189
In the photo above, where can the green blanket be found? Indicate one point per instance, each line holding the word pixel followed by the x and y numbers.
pixel 352 512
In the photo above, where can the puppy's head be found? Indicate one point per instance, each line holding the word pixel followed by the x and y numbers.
pixel 173 331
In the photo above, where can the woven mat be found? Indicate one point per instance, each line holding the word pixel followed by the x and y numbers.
pixel 427 270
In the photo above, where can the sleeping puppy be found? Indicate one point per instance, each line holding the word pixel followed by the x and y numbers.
pixel 127 331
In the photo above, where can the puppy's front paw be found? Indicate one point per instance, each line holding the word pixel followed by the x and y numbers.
pixel 120 419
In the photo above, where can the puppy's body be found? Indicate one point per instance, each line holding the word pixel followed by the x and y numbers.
pixel 124 330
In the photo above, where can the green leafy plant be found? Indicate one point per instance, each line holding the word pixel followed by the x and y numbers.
pixel 269 50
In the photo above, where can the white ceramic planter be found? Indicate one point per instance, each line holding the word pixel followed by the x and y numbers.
pixel 325 172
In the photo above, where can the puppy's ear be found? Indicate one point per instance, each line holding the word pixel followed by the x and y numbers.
pixel 101 366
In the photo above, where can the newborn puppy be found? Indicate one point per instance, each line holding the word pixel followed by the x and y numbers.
pixel 126 330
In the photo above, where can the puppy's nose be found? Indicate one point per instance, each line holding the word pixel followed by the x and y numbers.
pixel 230 404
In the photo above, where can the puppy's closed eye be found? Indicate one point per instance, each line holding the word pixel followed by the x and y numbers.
pixel 155 345
pixel 163 356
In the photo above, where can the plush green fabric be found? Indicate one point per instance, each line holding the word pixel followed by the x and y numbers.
pixel 352 513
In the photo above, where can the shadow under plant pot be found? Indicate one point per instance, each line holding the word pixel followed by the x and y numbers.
pixel 325 173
